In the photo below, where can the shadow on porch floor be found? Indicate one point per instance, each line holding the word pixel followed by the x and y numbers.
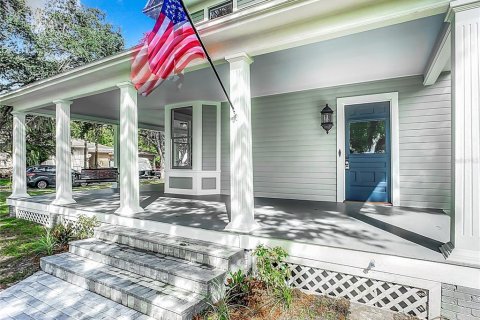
pixel 401 231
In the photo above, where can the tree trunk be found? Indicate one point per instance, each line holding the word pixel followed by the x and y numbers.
pixel 96 155
pixel 85 154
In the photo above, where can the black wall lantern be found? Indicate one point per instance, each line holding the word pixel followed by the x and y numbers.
pixel 327 122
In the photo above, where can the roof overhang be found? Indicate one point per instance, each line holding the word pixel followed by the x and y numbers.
pixel 267 27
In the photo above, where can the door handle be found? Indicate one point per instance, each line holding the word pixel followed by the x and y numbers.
pixel 339 153
pixel 347 164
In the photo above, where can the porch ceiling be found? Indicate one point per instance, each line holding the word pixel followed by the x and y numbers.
pixel 390 52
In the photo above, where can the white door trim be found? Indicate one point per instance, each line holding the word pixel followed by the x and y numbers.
pixel 392 97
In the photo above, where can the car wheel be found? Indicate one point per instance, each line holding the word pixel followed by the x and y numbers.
pixel 42 184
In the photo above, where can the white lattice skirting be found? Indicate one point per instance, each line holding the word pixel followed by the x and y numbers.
pixel 382 294
pixel 46 219
pixel 38 217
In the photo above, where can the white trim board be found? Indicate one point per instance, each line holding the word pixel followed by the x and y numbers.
pixel 391 97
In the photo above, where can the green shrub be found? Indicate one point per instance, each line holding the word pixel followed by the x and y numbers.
pixel 64 233
pixel 271 266
pixel 272 269
pixel 46 244
pixel 86 226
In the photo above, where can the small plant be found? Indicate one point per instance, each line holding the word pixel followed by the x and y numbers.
pixel 64 233
pixel 46 244
pixel 239 287
pixel 274 271
pixel 271 265
pixel 221 303
pixel 86 226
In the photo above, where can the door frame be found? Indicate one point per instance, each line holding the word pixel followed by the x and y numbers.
pixel 391 97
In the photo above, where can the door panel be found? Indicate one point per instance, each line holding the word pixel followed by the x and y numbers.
pixel 367 149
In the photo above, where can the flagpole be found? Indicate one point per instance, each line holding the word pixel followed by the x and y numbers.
pixel 208 57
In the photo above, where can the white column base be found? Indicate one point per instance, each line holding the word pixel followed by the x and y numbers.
pixel 19 196
pixel 63 201
pixel 465 256
pixel 129 211
pixel 243 226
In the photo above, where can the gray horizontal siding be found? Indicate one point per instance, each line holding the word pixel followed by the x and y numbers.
pixel 209 138
pixel 293 157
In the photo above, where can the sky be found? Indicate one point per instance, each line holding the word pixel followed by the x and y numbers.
pixel 125 14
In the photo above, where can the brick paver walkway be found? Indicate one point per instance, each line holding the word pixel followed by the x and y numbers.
pixel 45 297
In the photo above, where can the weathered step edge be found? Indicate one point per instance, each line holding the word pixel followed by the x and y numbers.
pixel 232 263
pixel 172 276
pixel 119 295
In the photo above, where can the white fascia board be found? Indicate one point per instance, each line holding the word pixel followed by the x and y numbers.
pixel 440 56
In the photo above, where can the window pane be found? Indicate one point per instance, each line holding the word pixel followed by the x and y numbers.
pixel 221 10
pixel 367 137
pixel 182 137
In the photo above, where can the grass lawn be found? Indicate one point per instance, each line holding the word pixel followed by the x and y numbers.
pixel 18 238
pixel 5 183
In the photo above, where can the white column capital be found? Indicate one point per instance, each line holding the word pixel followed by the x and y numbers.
pixel 63 102
pixel 242 56
pixel 460 5
pixel 18 113
pixel 125 84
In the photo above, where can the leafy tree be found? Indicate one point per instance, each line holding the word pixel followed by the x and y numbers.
pixel 97 133
pixel 38 45
pixel 153 141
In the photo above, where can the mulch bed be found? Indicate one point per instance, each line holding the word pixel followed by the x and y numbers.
pixel 259 304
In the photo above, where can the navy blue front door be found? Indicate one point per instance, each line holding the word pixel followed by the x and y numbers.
pixel 367 156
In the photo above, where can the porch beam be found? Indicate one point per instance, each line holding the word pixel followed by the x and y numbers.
pixel 440 56
pixel 92 119
pixel 63 157
pixel 241 162
pixel 19 186
pixel 129 178
pixel 464 16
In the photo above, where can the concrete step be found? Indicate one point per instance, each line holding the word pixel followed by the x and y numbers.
pixel 181 273
pixel 212 254
pixel 151 297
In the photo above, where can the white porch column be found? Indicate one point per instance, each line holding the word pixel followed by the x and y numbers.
pixel 241 164
pixel 465 231
pixel 129 174
pixel 63 157
pixel 19 187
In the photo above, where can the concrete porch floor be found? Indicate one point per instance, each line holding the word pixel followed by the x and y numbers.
pixel 400 231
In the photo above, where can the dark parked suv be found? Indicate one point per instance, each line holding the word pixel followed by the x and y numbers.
pixel 44 175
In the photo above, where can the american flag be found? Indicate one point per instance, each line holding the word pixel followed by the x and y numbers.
pixel 166 50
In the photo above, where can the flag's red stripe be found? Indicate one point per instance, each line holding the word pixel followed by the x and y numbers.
pixel 172 62
pixel 160 40
pixel 178 37
pixel 167 50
